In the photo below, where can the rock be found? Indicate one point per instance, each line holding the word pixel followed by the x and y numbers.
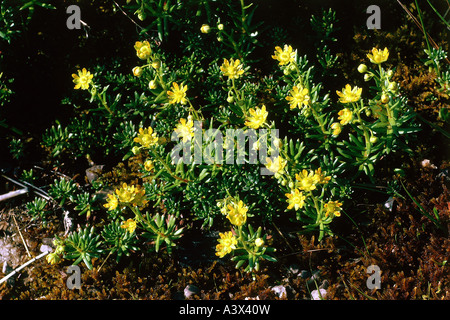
pixel 443 174
pixel 93 172
pixel 6 269
pixel 9 252
pixel 45 248
pixel 190 290
pixel 252 298
pixel 314 278
pixel 316 296
pixel 294 269
pixel 305 274
pixel 324 285
pixel 280 291
pixel 427 164
pixel 389 204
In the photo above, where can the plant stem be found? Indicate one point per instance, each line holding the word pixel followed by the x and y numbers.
pixel 423 25
pixel 166 166
pixel 104 104
pixel 366 135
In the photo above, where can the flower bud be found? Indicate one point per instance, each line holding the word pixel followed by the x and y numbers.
pixel 93 90
pixel 286 71
pixel 135 150
pixel 392 86
pixel 156 64
pixel 205 28
pixel 337 128
pixel 141 15
pixel 220 39
pixel 384 98
pixel 390 73
pixel 259 242
pixel 362 68
pixel 220 26
pixel 148 165
pixel 368 76
pixel 152 85
pixel 230 99
pixel 373 139
pixel 306 112
pixel 277 143
pixel 137 71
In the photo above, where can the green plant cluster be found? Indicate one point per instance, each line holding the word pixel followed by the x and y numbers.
pixel 328 141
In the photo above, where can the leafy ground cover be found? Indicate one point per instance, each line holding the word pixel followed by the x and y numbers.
pixel 105 125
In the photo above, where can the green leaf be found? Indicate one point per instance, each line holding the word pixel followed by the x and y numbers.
pixel 157 242
pixel 269 258
pixel 357 140
pixel 239 264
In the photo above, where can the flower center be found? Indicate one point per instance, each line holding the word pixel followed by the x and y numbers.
pixel 284 56
pixel 84 79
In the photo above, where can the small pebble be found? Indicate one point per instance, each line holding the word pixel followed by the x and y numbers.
pixel 45 248
pixel 305 274
pixel 190 290
pixel 315 294
pixel 294 269
pixel 280 291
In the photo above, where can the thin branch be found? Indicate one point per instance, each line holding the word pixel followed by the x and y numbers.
pixel 21 237
pixel 418 24
pixel 23 266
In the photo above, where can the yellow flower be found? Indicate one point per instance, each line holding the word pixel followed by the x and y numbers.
pixel 131 195
pixel 337 128
pixel 257 118
pixel 139 197
pixel 227 243
pixel 146 137
pixel 185 129
pixel 321 178
pixel 130 225
pixel 53 258
pixel 333 207
pixel 296 199
pixel 378 56
pixel 349 95
pixel 126 194
pixel 177 94
pixel 346 116
pixel 143 49
pixel 237 213
pixel 285 55
pixel 307 181
pixel 148 165
pixel 298 97
pixel 232 69
pixel 83 79
pixel 112 202
pixel 277 165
